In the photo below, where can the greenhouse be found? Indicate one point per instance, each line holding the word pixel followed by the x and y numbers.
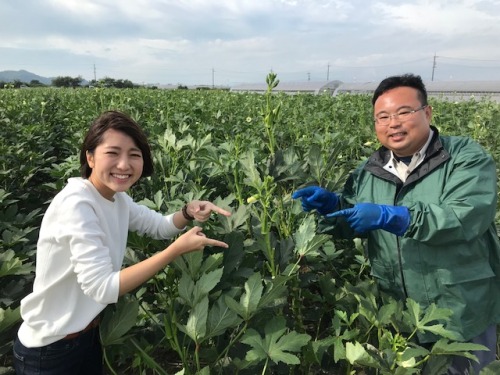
pixel 312 87
pixel 449 90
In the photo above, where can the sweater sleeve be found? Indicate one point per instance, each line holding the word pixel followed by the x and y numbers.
pixel 143 220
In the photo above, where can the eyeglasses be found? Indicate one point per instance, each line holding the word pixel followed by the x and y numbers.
pixel 384 119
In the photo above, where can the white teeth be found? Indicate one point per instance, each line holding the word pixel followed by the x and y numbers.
pixel 121 176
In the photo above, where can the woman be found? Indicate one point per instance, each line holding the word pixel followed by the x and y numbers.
pixel 81 247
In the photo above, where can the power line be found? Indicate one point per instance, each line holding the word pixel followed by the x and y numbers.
pixel 467 59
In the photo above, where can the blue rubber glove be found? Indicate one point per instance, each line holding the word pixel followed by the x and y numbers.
pixel 315 197
pixel 364 217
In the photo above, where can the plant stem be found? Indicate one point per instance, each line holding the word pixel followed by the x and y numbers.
pixel 197 357
pixel 106 360
pixel 231 343
pixel 265 366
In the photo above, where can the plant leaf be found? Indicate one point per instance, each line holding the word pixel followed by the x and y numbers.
pixel 275 290
pixel 212 262
pixel 206 283
pixel 357 354
pixel 307 242
pixel 9 317
pixel 186 289
pixel 492 369
pixel 220 318
pixel 117 321
pixel 252 295
pixel 196 326
pixel 275 345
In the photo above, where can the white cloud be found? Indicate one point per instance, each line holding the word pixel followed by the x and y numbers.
pixel 449 18
pixel 77 7
pixel 183 40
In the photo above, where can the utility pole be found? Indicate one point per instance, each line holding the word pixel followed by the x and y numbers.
pixel 433 66
pixel 328 72
pixel 308 76
pixel 95 76
pixel 213 79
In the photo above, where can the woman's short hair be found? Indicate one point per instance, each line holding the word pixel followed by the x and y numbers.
pixel 120 122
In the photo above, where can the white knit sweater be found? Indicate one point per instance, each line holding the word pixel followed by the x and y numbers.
pixel 80 251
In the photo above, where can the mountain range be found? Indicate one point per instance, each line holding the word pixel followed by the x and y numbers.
pixel 23 76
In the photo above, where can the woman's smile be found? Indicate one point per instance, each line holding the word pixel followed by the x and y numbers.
pixel 116 164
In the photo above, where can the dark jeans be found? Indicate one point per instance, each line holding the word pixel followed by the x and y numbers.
pixel 80 355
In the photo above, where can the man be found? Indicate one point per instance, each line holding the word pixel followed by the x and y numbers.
pixel 426 204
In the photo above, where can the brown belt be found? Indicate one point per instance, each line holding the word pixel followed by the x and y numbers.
pixel 93 324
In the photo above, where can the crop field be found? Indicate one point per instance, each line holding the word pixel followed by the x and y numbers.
pixel 282 299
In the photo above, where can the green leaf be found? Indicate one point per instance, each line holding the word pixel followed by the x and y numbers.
pixel 438 365
pixel 12 265
pixel 247 164
pixel 252 295
pixel 492 369
pixel 307 242
pixel 206 283
pixel 148 359
pixel 204 371
pixel 220 318
pixel 292 342
pixel 235 306
pixel 158 199
pixel 196 326
pixel 230 224
pixel 417 352
pixel 443 346
pixel 438 329
pixel 186 289
pixel 432 314
pixel 275 345
pixel 357 354
pixel 190 263
pixel 233 256
pixel 386 313
pixel 319 347
pixel 369 309
pixel 275 291
pixel 339 351
pixel 258 351
pixel 117 321
pixel 212 262
pixel 9 318
pixel 305 233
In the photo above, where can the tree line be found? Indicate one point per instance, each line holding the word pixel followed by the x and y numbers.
pixel 74 82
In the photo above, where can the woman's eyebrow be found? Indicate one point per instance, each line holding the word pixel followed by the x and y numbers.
pixel 120 148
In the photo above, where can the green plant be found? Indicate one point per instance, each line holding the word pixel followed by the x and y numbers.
pixel 280 292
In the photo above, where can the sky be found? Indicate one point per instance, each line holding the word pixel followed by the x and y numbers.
pixel 230 42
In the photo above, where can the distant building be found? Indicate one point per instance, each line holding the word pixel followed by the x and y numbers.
pixel 452 90
pixel 448 90
pixel 311 87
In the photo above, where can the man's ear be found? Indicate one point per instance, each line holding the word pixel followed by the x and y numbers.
pixel 428 113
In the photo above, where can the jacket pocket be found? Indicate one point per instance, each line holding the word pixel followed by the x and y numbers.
pixel 467 273
pixel 467 291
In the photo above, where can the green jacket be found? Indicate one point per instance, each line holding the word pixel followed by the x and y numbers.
pixel 450 254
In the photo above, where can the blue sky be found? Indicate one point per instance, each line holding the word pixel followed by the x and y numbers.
pixel 226 42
